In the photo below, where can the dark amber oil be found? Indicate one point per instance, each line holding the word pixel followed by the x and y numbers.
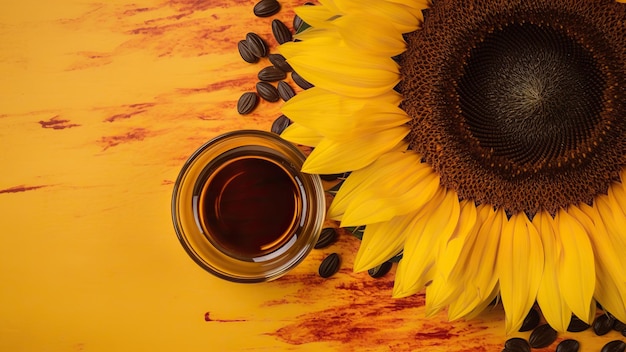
pixel 249 206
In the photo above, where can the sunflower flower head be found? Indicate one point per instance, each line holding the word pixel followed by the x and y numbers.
pixel 486 141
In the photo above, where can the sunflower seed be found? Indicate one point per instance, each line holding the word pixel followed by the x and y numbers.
pixel 517 344
pixel 301 82
pixel 266 8
pixel 245 52
pixel 279 125
pixel 267 91
pixel 297 22
pixel 614 346
pixel 256 44
pixel 542 336
pixel 285 91
pixel 603 324
pixel 271 74
pixel 568 345
pixel 282 34
pixel 619 326
pixel 280 62
pixel 380 271
pixel 327 237
pixel 531 321
pixel 330 265
pixel 577 325
pixel 247 102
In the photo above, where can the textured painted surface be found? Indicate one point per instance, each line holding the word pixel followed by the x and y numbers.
pixel 100 104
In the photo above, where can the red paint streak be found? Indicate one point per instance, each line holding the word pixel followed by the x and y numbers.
pixel 21 188
pixel 137 134
pixel 57 123
pixel 207 317
pixel 167 182
pixel 439 334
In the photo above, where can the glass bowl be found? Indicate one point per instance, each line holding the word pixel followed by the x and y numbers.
pixel 243 210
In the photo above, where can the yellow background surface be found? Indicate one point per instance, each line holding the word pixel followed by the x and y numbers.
pixel 100 105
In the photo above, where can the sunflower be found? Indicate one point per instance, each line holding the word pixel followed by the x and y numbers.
pixel 485 140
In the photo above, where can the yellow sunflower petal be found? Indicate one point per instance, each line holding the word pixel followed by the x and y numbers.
pixel 476 266
pixel 554 308
pixel 398 14
pixel 440 291
pixel 316 16
pixel 346 77
pixel 405 169
pixel 519 268
pixel 338 117
pixel 381 204
pixel 610 284
pixel 436 222
pixel 576 267
pixel 484 304
pixel 382 241
pixel 331 156
pixel 299 134
pixel 383 38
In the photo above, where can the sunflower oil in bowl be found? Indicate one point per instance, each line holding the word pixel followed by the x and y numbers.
pixel 243 210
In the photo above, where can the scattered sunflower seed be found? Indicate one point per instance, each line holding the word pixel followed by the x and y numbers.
pixel 531 321
pixel 256 44
pixel 619 326
pixel 543 336
pixel 380 271
pixel 285 91
pixel 297 22
pixel 271 74
pixel 279 125
pixel 577 325
pixel 603 324
pixel 280 62
pixel 282 34
pixel 330 265
pixel 301 82
pixel 327 237
pixel 267 91
pixel 246 53
pixel 266 8
pixel 614 346
pixel 247 102
pixel 568 345
pixel 517 344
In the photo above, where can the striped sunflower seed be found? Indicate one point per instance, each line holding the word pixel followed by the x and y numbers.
pixel 282 34
pixel 301 82
pixel 329 266
pixel 577 325
pixel 256 44
pixel 603 324
pixel 531 321
pixel 285 91
pixel 267 91
pixel 614 346
pixel 271 74
pixel 380 271
pixel 247 102
pixel 568 345
pixel 266 8
pixel 280 62
pixel 327 237
pixel 517 344
pixel 280 124
pixel 246 53
pixel 543 336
